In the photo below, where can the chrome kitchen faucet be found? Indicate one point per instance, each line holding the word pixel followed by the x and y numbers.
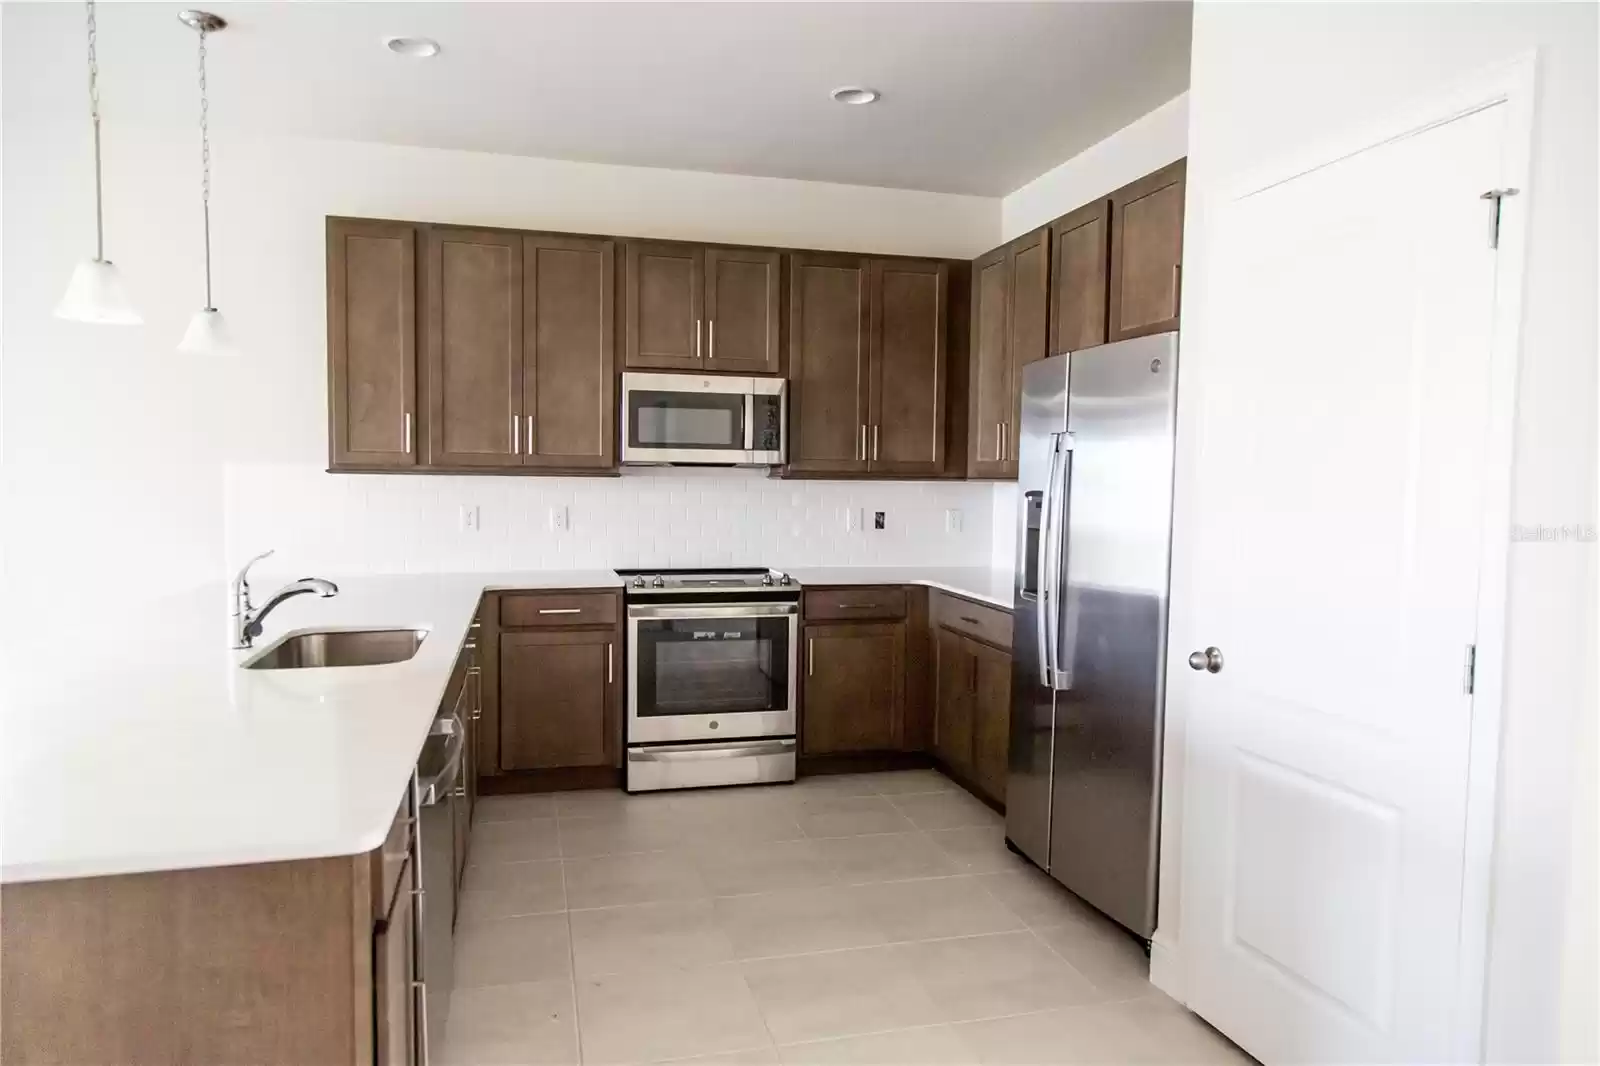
pixel 247 619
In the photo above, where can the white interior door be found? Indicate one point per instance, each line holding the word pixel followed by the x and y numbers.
pixel 1335 545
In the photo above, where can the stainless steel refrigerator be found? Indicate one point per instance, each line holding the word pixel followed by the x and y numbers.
pixel 1094 537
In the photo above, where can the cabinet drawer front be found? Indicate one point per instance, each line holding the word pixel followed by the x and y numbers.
pixel 988 624
pixel 871 601
pixel 558 609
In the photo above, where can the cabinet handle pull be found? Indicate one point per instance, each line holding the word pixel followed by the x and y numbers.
pixel 997 444
pixel 711 339
pixel 405 430
pixel 969 621
pixel 874 442
pixel 421 990
pixel 561 610
pixel 516 435
pixel 609 676
pixel 811 655
pixel 1177 273
pixel 697 329
pixel 859 606
pixel 530 434
pixel 863 443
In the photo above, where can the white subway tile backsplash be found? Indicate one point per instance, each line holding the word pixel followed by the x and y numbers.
pixel 376 523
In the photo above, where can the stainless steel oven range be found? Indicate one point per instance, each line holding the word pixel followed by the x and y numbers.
pixel 713 657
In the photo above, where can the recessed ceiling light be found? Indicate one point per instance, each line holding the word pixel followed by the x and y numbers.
pixel 855 94
pixel 416 47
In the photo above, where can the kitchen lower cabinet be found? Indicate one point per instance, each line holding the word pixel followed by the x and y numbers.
pixel 1147 253
pixel 394 997
pixel 558 698
pixel 854 698
pixel 972 711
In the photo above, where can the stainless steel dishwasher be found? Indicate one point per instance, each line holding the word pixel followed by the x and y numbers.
pixel 438 769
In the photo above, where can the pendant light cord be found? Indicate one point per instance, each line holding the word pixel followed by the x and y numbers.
pixel 94 115
pixel 205 166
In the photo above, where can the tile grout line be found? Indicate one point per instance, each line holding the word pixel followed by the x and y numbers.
pixel 572 953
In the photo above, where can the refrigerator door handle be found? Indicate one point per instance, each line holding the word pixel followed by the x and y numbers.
pixel 1046 605
pixel 1053 552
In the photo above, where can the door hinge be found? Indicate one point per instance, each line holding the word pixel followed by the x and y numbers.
pixel 1494 196
pixel 1469 672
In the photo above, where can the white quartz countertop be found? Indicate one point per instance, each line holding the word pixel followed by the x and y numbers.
pixel 993 587
pixel 148 748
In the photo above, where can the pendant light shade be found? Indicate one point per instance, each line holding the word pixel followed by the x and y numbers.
pixel 207 335
pixel 95 293
pixel 208 332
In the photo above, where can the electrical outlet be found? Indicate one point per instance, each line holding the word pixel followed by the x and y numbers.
pixel 471 518
pixel 877 519
pixel 852 519
pixel 952 520
pixel 560 518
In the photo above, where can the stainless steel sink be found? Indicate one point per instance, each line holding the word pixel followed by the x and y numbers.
pixel 338 647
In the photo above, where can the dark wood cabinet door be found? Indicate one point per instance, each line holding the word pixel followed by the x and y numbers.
pixel 557 698
pixel 743 294
pixel 1147 253
pixel 569 372
pixel 954 668
pixel 372 343
pixel 991 717
pixel 394 970
pixel 473 311
pixel 989 385
pixel 828 362
pixel 1027 324
pixel 854 687
pixel 1080 278
pixel 907 410
pixel 664 321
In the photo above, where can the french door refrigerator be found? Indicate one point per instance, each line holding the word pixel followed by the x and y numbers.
pixel 1094 535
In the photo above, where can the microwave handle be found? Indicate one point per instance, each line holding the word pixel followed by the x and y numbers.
pixel 749 421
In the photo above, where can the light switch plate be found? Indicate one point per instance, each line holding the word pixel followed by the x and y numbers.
pixel 952 520
pixel 471 518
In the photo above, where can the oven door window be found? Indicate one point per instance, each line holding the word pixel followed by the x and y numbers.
pixel 684 420
pixel 712 666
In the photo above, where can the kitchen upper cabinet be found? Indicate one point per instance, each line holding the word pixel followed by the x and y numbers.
pixel 473 312
pixel 707 309
pixel 372 334
pixel 867 372
pixel 1080 277
pixel 1147 253
pixel 558 698
pixel 743 297
pixel 828 363
pixel 569 389
pixel 906 412
pixel 662 298
pixel 854 687
pixel 989 389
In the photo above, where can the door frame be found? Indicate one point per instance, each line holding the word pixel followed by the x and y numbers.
pixel 1511 83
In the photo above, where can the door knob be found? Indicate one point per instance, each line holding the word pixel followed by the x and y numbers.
pixel 1209 660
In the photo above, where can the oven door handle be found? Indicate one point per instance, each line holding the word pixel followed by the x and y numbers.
pixel 717 750
pixel 710 610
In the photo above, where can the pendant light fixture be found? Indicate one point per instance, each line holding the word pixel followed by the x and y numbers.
pixel 207 333
pixel 95 293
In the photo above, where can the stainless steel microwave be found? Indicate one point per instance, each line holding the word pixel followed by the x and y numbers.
pixel 688 419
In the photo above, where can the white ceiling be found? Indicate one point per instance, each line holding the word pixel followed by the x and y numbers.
pixel 978 97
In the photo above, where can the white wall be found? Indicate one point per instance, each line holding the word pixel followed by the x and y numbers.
pixel 130 470
pixel 1148 143
pixel 1272 79
pixel 1145 144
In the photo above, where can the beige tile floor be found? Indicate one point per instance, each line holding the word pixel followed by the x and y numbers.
pixel 869 918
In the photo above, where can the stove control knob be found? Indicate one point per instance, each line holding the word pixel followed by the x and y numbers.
pixel 638 582
pixel 658 582
pixel 766 579
pixel 785 579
